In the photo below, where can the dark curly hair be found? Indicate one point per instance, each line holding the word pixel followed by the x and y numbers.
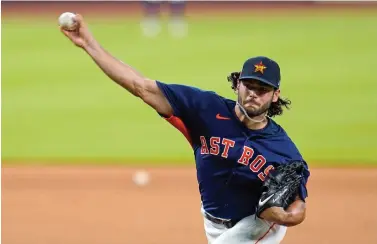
pixel 276 108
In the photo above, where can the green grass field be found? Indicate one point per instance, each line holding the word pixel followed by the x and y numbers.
pixel 57 106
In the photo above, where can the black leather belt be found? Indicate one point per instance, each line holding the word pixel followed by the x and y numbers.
pixel 228 223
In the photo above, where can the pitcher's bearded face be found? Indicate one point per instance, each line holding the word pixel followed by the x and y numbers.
pixel 256 97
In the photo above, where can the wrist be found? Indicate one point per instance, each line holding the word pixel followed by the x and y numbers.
pixel 91 46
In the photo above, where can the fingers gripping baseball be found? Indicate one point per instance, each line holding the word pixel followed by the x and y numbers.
pixel 74 27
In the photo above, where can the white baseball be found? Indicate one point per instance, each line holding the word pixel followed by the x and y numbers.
pixel 66 21
pixel 141 178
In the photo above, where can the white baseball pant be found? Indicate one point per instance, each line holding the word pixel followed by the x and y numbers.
pixel 249 230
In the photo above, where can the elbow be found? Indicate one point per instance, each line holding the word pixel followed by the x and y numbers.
pixel 145 90
pixel 135 86
pixel 139 88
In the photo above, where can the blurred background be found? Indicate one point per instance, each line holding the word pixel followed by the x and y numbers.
pixel 58 106
pixel 59 109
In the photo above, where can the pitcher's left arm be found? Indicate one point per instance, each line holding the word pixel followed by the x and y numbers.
pixel 282 198
pixel 295 214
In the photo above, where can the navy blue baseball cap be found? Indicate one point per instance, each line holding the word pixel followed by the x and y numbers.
pixel 262 69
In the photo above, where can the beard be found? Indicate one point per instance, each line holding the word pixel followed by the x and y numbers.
pixel 254 112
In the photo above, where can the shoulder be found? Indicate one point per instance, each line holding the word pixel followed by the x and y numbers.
pixel 191 94
pixel 188 100
pixel 185 89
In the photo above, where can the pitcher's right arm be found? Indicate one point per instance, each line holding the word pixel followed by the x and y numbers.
pixel 121 73
pixel 130 79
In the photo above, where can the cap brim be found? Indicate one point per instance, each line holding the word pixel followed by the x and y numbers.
pixel 259 79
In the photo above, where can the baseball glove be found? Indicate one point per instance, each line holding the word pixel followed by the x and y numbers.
pixel 281 186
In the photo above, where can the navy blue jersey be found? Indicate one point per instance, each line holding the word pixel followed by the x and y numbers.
pixel 232 161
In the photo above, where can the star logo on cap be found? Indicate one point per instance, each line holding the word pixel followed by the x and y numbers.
pixel 259 67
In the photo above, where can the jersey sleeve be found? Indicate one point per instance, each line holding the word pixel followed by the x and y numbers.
pixel 185 100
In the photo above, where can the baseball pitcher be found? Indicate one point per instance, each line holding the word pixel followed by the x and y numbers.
pixel 252 178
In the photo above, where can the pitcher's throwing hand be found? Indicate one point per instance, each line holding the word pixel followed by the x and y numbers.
pixel 78 33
